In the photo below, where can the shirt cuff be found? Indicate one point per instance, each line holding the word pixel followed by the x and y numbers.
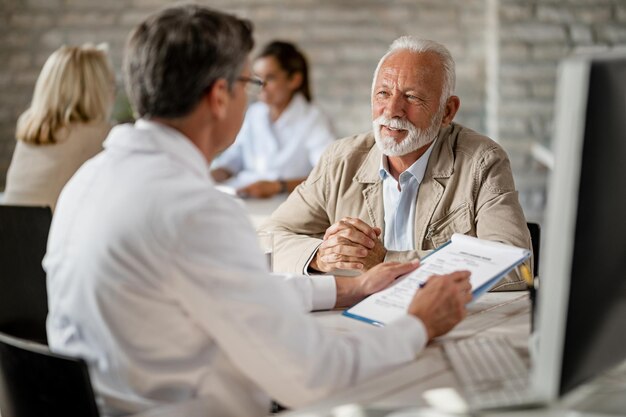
pixel 413 328
pixel 324 292
pixel 305 270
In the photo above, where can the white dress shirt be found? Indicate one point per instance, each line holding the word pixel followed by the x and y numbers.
pixel 156 279
pixel 286 149
pixel 399 204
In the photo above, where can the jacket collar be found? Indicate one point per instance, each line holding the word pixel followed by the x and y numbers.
pixel 440 162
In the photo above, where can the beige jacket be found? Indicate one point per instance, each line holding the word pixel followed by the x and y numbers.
pixel 467 188
pixel 38 173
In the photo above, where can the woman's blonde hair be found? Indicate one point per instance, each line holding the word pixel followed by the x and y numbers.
pixel 76 84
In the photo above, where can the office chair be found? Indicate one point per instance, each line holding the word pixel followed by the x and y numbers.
pixel 23 299
pixel 35 382
pixel 535 238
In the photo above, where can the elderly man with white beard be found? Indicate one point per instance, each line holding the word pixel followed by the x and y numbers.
pixel 402 190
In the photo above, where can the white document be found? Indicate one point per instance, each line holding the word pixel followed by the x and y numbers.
pixel 487 261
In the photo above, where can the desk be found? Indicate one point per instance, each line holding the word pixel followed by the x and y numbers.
pixel 259 209
pixel 506 313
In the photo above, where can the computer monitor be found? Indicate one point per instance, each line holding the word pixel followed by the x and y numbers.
pixel 581 320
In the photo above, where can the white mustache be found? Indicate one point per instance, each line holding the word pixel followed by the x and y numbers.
pixel 394 123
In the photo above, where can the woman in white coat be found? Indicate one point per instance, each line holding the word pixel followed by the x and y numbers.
pixel 283 134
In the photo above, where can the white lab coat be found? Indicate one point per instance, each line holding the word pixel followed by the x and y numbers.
pixel 155 278
pixel 286 149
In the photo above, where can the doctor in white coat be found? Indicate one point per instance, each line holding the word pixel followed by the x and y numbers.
pixel 284 133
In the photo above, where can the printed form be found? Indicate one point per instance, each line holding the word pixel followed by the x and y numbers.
pixel 487 261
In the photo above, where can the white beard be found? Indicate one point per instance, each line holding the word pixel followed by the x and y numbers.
pixel 415 138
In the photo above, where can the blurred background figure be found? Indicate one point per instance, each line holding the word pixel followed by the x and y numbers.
pixel 66 123
pixel 284 133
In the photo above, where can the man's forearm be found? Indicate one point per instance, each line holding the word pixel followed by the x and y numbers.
pixel 347 291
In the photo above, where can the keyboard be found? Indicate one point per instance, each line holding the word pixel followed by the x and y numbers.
pixel 491 372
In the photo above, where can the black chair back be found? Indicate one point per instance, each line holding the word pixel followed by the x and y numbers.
pixel 35 382
pixel 535 238
pixel 23 299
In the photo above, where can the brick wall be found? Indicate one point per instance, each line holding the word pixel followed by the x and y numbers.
pixel 520 40
pixel 343 41
pixel 534 35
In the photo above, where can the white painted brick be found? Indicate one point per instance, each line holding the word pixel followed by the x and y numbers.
pixel 19 61
pixel 16 40
pixel 514 126
pixel 543 90
pixel 526 108
pixel 540 124
pixel 574 3
pixel 514 90
pixel 5 77
pixel 53 38
pixel 396 14
pixel 580 34
pixel 555 14
pixel 441 15
pixel 592 14
pixel 530 71
pixel 90 19
pixel 514 51
pixel 112 35
pixel 515 12
pixel 26 78
pixel 549 52
pixel 44 4
pixel 585 49
pixel 131 19
pixel 99 5
pixel 357 53
pixel 30 20
pixel 613 33
pixel 620 12
pixel 534 32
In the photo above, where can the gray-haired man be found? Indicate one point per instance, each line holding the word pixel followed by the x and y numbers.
pixel 402 190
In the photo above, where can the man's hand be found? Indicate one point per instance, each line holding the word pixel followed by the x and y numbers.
pixel 221 174
pixel 441 303
pixel 260 189
pixel 351 290
pixel 350 243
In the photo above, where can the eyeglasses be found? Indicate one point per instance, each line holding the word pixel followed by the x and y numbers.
pixel 254 85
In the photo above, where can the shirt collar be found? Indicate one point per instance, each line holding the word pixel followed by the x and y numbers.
pixel 293 112
pixel 417 169
pixel 150 136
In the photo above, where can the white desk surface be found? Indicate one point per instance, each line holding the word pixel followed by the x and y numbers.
pixel 505 313
pixel 259 209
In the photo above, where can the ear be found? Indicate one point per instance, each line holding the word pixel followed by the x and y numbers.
pixel 452 106
pixel 295 81
pixel 218 98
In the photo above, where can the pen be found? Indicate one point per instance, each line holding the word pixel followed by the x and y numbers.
pixel 530 284
pixel 527 276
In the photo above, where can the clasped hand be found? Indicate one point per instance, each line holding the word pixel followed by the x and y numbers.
pixel 260 189
pixel 348 244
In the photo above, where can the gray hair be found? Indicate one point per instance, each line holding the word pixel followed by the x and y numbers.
pixel 417 45
pixel 174 56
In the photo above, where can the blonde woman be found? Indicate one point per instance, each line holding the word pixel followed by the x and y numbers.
pixel 65 125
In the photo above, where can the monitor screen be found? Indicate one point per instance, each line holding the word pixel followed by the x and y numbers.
pixel 582 296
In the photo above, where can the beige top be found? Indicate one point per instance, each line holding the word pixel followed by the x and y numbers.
pixel 38 173
pixel 468 188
